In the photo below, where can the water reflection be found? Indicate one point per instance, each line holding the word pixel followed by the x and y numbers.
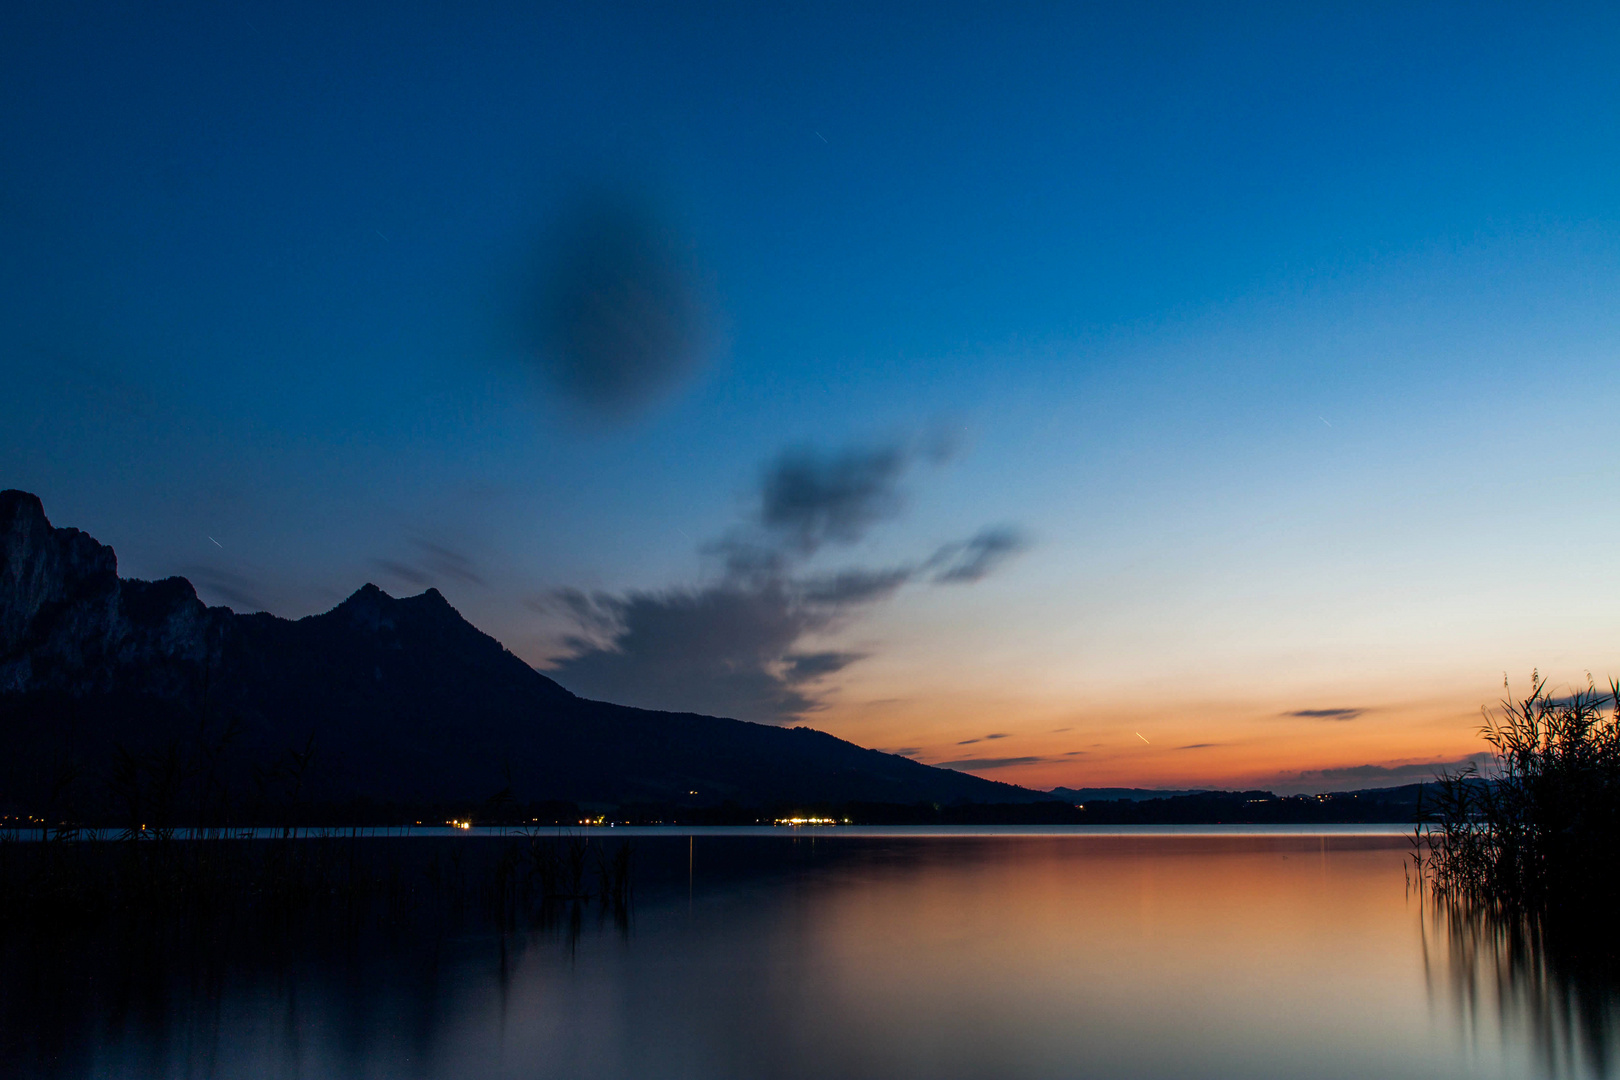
pixel 874 957
pixel 1544 981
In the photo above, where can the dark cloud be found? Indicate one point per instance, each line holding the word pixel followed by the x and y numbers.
pixel 970 764
pixel 596 614
pixel 854 586
pixel 731 648
pixel 1387 774
pixel 747 559
pixel 617 322
pixel 998 735
pixel 1074 753
pixel 974 559
pixel 969 742
pixel 810 499
pixel 1326 714
pixel 718 650
pixel 1198 746
pixel 727 649
pixel 808 667
pixel 1601 699
pixel 906 751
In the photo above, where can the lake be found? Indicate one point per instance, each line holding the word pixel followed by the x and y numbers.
pixel 860 953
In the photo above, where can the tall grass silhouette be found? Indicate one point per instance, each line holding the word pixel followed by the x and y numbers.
pixel 1539 826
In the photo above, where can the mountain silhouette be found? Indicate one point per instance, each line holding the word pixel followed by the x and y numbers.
pixel 382 700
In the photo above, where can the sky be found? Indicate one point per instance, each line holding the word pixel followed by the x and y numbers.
pixel 1113 395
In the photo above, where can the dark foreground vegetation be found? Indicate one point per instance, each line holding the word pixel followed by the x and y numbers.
pixel 1541 829
pixel 1521 866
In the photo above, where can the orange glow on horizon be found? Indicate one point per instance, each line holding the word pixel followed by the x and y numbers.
pixel 1195 744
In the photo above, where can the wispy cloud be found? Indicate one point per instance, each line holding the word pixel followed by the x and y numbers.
pixel 726 650
pixel 811 499
pixel 405 572
pixel 430 563
pixel 732 647
pixel 1326 714
pixel 975 558
pixel 971 764
pixel 1374 775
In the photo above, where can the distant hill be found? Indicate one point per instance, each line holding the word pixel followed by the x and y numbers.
pixel 1397 804
pixel 136 690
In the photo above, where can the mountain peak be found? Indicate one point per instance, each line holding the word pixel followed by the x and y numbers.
pixel 41 564
pixel 407 700
pixel 13 502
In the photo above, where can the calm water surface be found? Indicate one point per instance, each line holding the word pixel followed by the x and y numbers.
pixel 835 955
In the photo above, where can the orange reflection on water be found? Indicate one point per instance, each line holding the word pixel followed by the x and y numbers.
pixel 1154 955
pixel 1000 956
pixel 819 954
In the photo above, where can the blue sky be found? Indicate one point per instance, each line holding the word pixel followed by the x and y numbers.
pixel 1278 345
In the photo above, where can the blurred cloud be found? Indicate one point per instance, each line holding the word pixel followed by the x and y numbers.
pixel 430 563
pixel 810 666
pixel 976 558
pixel 970 764
pixel 725 650
pixel 732 647
pixel 616 321
pixel 1391 774
pixel 447 562
pixel 1326 714
pixel 855 586
pixel 809 498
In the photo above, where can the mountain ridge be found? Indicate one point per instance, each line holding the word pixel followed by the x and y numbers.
pixel 398 700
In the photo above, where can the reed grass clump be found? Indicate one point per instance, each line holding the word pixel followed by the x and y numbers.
pixel 1539 827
